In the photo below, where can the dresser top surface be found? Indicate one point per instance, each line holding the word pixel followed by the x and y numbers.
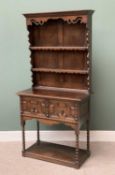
pixel 55 94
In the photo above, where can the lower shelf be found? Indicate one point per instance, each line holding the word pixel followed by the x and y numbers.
pixel 56 153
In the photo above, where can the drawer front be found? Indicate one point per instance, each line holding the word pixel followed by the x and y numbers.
pixel 30 105
pixel 62 109
pixel 57 109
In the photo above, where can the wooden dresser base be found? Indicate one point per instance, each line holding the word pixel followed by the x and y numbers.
pixel 55 153
pixel 73 112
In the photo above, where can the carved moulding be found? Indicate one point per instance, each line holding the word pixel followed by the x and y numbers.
pixel 50 122
pixel 69 19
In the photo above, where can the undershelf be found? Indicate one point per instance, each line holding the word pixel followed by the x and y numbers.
pixel 58 48
pixel 56 153
pixel 60 70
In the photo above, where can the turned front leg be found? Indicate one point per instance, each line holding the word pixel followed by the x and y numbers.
pixel 88 136
pixel 88 128
pixel 77 160
pixel 23 135
pixel 38 132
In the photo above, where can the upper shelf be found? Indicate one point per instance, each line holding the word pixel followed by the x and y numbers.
pixel 58 48
pixel 60 70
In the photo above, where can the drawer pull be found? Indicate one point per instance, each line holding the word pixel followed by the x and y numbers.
pixel 34 110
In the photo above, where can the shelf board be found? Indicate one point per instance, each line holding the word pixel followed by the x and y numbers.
pixel 58 48
pixel 55 153
pixel 60 70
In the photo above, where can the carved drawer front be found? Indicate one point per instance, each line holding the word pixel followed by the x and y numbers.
pixel 57 109
pixel 62 109
pixel 30 105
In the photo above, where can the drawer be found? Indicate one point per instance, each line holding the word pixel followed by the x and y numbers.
pixel 31 105
pixel 62 109
pixel 57 109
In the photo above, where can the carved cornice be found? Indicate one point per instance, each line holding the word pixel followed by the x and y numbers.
pixel 69 19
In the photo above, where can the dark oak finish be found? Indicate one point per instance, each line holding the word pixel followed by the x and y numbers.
pixel 60 46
